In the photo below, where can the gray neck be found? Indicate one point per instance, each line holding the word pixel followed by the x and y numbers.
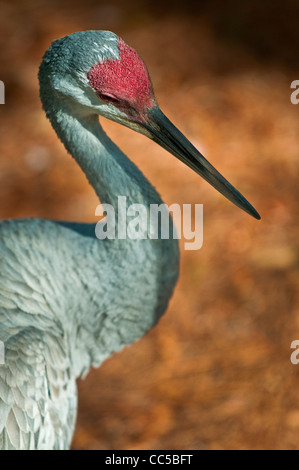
pixel 107 168
pixel 147 268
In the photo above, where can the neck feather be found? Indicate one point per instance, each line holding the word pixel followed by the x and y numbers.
pixel 107 168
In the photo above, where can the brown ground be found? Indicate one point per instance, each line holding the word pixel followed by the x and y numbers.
pixel 215 373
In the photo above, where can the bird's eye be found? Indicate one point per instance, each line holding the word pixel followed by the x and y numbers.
pixel 108 98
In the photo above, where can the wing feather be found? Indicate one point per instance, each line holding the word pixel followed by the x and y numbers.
pixel 38 397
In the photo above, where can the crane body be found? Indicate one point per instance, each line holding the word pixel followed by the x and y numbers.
pixel 68 300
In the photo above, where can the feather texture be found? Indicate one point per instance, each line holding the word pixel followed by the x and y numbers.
pixel 67 299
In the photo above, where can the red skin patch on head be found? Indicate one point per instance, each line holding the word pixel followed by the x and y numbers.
pixel 126 79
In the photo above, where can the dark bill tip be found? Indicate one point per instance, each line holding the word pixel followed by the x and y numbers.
pixel 164 133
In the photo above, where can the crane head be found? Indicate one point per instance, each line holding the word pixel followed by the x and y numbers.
pixel 124 82
pixel 99 72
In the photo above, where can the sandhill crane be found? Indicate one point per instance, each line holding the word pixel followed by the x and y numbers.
pixel 67 299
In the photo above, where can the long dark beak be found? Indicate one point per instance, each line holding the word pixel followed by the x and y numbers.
pixel 163 132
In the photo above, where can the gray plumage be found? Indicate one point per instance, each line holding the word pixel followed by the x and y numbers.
pixel 67 299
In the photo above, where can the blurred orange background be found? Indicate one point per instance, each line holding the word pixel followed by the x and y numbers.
pixel 215 373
